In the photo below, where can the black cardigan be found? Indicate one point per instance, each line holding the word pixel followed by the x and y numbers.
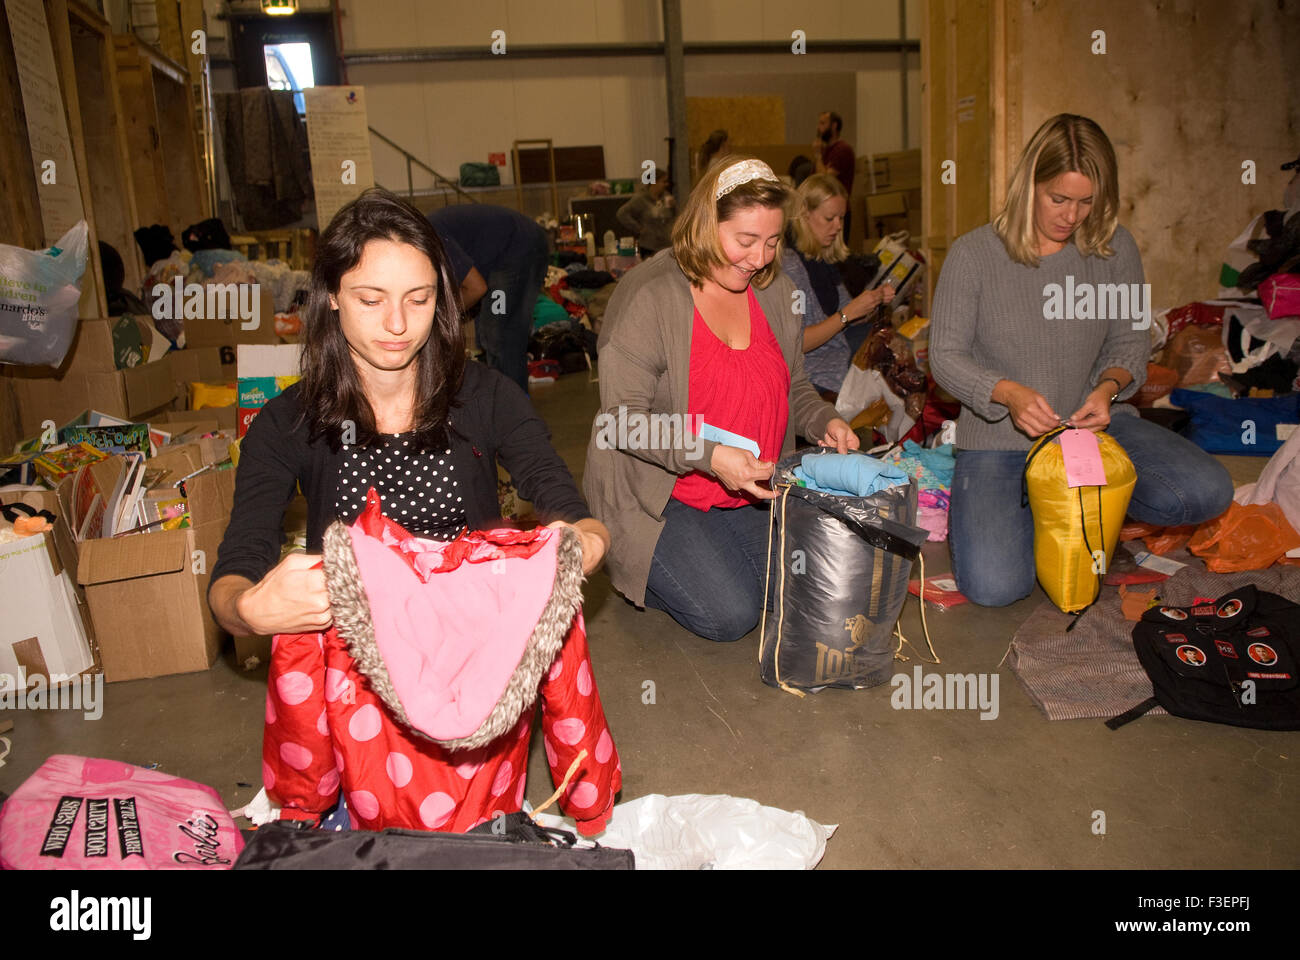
pixel 490 417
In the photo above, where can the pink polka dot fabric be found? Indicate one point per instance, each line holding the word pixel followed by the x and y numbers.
pixel 327 732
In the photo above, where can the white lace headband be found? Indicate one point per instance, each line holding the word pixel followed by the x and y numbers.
pixel 743 172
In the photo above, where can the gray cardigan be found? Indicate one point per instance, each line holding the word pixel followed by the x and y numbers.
pixel 645 358
pixel 989 324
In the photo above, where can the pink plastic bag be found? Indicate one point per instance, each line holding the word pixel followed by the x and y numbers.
pixel 1280 295
pixel 78 813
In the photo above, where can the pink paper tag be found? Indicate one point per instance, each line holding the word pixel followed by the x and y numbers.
pixel 1082 453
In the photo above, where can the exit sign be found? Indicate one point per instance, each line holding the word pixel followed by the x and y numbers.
pixel 497 159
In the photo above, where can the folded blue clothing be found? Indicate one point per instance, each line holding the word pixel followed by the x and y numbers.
pixel 847 474
pixel 938 460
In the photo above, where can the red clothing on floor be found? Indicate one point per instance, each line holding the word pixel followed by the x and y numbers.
pixel 327 728
pixel 745 392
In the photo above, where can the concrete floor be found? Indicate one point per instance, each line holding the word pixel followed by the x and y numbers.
pixel 908 788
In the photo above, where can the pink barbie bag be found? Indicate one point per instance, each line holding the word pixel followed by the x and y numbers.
pixel 78 813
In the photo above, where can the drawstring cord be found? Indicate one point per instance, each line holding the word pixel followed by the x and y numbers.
pixel 573 768
pixel 925 627
pixel 767 582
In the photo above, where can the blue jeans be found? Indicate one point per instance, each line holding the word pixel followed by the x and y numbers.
pixel 710 569
pixel 991 537
pixel 505 315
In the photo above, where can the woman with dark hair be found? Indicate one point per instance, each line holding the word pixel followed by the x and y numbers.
pixel 717 145
pixel 1020 371
pixel 702 389
pixel 386 401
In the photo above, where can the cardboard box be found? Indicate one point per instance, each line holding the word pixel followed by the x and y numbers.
pixel 147 593
pixel 225 418
pixel 190 431
pixel 225 334
pixel 198 364
pixel 88 380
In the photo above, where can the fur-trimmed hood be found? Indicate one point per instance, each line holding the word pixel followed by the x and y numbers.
pixel 456 637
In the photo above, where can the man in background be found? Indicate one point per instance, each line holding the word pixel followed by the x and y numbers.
pixel 508 251
pixel 833 155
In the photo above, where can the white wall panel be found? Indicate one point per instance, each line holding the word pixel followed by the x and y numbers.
pixel 633 21
pixel 455 24
pixel 554 21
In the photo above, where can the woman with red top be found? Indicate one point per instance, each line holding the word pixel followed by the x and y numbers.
pixel 702 390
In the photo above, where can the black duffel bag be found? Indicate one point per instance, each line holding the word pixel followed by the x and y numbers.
pixel 840 567
pixel 512 842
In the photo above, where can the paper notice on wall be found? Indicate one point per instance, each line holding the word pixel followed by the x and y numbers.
pixel 339 139
pixel 57 187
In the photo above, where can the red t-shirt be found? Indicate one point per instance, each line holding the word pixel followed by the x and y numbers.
pixel 839 155
pixel 746 392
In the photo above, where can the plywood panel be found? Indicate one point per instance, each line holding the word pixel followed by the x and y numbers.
pixel 805 94
pixel 169 30
pixel 969 115
pixel 937 54
pixel 19 204
pixel 1186 92
pixel 186 193
pixel 108 169
pixel 140 116
pixel 746 119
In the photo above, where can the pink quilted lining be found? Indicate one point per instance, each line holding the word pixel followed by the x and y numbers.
pixel 452 643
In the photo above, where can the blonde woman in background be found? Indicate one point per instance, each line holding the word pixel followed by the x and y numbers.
pixel 814 245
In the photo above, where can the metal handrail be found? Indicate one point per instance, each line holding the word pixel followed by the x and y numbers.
pixel 412 159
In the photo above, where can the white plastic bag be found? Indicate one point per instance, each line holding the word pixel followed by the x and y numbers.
pixel 860 389
pixel 718 832
pixel 39 290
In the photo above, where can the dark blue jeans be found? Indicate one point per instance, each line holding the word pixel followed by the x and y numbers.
pixel 505 314
pixel 991 537
pixel 709 569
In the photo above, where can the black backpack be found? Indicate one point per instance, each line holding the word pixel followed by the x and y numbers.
pixel 512 843
pixel 1232 660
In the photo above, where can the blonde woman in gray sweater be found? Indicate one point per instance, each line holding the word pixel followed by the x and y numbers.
pixel 1040 318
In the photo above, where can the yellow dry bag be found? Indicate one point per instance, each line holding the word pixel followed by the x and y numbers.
pixel 1076 529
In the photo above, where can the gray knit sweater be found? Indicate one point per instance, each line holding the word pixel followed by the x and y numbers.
pixel 989 323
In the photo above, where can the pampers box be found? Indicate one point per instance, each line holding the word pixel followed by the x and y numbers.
pixel 264 371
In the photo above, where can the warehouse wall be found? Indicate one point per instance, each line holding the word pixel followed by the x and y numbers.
pixel 450 112
pixel 1186 92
